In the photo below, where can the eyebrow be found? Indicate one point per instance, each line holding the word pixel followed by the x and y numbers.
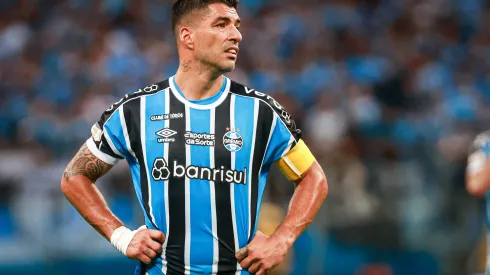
pixel 227 19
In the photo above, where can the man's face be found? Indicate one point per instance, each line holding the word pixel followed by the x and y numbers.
pixel 217 37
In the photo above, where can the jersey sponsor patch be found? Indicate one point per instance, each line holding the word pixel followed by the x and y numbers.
pixel 96 132
pixel 147 90
pixel 281 112
pixel 285 116
pixel 161 172
pixel 199 139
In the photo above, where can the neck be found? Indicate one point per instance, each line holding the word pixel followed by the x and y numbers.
pixel 196 81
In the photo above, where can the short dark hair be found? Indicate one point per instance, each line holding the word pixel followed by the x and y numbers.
pixel 182 8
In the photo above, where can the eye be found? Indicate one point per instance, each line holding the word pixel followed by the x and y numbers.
pixel 221 25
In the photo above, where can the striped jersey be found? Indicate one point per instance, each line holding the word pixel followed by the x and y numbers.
pixel 199 168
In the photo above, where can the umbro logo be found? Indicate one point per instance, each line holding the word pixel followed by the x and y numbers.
pixel 166 132
pixel 166 135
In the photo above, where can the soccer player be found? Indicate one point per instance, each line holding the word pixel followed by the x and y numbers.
pixel 478 173
pixel 199 147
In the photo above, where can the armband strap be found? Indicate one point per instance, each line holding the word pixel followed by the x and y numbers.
pixel 296 162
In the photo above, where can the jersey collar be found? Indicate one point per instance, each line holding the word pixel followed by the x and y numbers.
pixel 204 104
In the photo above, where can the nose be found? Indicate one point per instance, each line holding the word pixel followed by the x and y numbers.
pixel 235 35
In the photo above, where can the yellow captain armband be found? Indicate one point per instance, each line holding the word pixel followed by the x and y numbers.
pixel 296 162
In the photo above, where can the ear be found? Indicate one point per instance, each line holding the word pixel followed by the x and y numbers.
pixel 186 37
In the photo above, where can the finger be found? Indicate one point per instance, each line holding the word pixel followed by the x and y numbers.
pixel 241 254
pixel 262 271
pixel 255 267
pixel 245 263
pixel 150 253
pixel 157 235
pixel 155 246
pixel 144 259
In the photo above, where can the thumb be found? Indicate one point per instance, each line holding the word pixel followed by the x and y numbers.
pixel 259 234
pixel 157 235
pixel 241 254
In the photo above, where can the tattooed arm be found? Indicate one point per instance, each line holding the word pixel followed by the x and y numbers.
pixel 78 186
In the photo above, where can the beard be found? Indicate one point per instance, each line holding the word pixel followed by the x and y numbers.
pixel 217 63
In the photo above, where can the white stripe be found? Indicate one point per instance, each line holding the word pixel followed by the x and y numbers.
pixel 99 154
pixel 165 156
pixel 143 148
pixel 290 144
pixel 111 144
pixel 214 226
pixel 187 244
pixel 256 115
pixel 273 126
pixel 291 165
pixel 232 186
pixel 125 131
pixel 198 106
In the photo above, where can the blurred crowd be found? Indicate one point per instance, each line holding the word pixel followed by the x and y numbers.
pixel 388 93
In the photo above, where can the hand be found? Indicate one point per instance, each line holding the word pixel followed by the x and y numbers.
pixel 262 254
pixel 145 245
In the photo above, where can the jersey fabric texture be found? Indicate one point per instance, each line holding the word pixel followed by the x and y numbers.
pixel 199 168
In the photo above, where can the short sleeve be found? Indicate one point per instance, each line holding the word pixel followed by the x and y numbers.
pixel 286 148
pixel 107 140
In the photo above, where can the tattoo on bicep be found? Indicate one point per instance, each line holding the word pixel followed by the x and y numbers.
pixel 86 164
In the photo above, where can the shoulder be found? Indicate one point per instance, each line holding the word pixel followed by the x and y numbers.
pixel 146 91
pixel 264 99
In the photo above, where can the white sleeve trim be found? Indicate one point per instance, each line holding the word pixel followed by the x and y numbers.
pixel 99 154
pixel 291 165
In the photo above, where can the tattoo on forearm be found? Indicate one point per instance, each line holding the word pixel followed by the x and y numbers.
pixel 86 164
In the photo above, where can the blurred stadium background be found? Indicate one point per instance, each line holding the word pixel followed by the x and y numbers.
pixel 388 93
